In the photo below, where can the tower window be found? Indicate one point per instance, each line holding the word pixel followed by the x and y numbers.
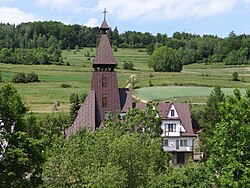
pixel 104 101
pixel 104 80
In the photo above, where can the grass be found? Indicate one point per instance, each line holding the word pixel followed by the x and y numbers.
pixel 175 92
pixel 41 96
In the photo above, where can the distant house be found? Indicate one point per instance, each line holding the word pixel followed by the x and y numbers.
pixel 105 97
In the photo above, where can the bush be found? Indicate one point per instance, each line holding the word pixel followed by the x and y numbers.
pixel 115 49
pixel 1 77
pixel 128 65
pixel 65 85
pixel 32 77
pixel 235 76
pixel 19 78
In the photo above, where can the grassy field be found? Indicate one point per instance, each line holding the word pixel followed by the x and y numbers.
pixel 41 96
pixel 177 93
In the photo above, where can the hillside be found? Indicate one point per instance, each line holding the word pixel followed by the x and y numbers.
pixel 41 96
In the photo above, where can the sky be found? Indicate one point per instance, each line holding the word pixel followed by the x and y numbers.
pixel 216 17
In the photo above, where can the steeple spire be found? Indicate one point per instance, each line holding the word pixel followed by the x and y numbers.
pixel 104 26
pixel 105 12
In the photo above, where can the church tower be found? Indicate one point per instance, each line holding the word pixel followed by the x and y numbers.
pixel 104 78
pixel 104 96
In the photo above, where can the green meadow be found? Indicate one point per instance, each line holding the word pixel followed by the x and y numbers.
pixel 41 96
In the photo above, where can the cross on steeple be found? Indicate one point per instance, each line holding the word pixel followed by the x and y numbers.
pixel 105 12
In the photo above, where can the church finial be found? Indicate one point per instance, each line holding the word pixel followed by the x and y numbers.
pixel 105 12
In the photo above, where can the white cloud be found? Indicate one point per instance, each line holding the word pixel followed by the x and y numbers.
pixel 92 22
pixel 166 9
pixel 15 16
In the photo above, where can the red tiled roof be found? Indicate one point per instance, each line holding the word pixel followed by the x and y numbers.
pixel 104 54
pixel 163 109
pixel 125 99
pixel 86 115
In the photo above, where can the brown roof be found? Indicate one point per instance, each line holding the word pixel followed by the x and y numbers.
pixel 141 106
pixel 86 115
pixel 104 54
pixel 185 117
pixel 182 110
pixel 125 99
pixel 104 25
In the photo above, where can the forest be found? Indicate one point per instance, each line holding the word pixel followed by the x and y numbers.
pixel 56 36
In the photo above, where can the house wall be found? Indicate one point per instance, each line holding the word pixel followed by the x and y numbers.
pixel 172 144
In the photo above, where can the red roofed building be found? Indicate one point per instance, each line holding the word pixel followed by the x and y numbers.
pixel 105 97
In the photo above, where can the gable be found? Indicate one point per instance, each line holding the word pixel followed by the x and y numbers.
pixel 172 113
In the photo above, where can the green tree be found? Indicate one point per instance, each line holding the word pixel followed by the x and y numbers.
pixel 74 106
pixel 108 157
pixel 19 78
pixel 21 159
pixel 230 145
pixel 209 118
pixel 165 59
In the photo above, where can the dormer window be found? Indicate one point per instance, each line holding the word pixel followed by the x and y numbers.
pixel 172 113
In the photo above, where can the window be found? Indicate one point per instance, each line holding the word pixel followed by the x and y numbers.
pixel 165 143
pixel 104 101
pixel 104 80
pixel 172 113
pixel 183 142
pixel 171 127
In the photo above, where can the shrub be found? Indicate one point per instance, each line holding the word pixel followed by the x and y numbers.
pixel 65 85
pixel 1 77
pixel 19 78
pixel 32 77
pixel 115 48
pixel 235 76
pixel 128 65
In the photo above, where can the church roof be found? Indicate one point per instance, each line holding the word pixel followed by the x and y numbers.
pixel 86 115
pixel 125 99
pixel 104 25
pixel 104 54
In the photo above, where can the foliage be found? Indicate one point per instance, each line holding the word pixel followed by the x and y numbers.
pixel 230 145
pixel 235 76
pixel 75 103
pixel 65 85
pixel 210 117
pixel 132 81
pixel 21 77
pixel 128 65
pixel 137 120
pixel 32 77
pixel 1 79
pixel 110 157
pixel 30 56
pixel 165 59
pixel 20 163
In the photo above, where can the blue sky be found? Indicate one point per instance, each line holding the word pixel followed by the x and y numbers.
pixel 217 17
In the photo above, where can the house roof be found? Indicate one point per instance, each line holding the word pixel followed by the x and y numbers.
pixel 185 117
pixel 104 54
pixel 86 115
pixel 182 110
pixel 125 99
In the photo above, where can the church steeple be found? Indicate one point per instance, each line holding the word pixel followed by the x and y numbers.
pixel 104 78
pixel 104 59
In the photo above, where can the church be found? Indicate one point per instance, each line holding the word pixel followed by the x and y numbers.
pixel 105 97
